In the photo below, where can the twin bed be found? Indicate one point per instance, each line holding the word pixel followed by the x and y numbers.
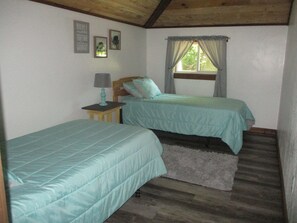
pixel 84 170
pixel 80 171
pixel 224 118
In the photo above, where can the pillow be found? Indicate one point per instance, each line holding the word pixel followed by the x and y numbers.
pixel 131 89
pixel 13 180
pixel 147 87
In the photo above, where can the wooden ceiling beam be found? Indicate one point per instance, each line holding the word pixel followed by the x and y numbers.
pixel 157 13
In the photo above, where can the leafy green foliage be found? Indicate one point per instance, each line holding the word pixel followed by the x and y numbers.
pixel 205 63
pixel 196 60
pixel 189 61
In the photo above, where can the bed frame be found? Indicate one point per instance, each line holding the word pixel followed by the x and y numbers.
pixel 117 87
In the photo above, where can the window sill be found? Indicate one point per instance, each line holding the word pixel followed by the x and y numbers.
pixel 209 77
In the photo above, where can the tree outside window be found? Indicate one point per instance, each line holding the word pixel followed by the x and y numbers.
pixel 195 61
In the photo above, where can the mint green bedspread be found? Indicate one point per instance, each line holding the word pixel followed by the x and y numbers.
pixel 80 171
pixel 224 118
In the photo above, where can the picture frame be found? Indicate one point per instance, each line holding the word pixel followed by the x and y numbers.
pixel 114 39
pixel 81 36
pixel 100 47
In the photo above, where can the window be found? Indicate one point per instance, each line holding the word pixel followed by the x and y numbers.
pixel 195 62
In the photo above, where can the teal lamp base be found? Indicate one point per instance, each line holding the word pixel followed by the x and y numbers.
pixel 103 98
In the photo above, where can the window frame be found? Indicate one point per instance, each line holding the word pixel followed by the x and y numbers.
pixel 195 75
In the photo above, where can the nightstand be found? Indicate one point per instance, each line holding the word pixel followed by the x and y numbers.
pixel 104 113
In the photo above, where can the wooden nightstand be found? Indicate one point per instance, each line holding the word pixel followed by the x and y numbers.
pixel 104 113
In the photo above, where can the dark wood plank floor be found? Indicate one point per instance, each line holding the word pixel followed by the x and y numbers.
pixel 256 195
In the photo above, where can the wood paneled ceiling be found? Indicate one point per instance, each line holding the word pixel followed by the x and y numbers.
pixel 183 13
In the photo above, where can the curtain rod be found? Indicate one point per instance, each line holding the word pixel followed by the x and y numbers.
pixel 198 37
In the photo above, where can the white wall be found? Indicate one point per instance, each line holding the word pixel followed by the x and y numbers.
pixel 43 81
pixel 287 125
pixel 255 60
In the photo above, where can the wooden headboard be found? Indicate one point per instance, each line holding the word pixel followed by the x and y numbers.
pixel 117 87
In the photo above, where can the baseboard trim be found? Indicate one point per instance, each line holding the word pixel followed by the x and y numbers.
pixel 285 209
pixel 262 131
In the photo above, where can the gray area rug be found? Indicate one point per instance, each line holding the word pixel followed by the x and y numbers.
pixel 209 169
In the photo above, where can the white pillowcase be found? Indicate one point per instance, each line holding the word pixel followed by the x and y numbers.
pixel 131 89
pixel 147 87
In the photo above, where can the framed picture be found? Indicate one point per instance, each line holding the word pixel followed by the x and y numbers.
pixel 100 47
pixel 114 40
pixel 81 37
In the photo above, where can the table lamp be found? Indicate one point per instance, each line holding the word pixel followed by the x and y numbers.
pixel 102 80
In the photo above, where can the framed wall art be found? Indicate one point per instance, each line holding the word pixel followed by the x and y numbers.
pixel 114 39
pixel 81 37
pixel 100 47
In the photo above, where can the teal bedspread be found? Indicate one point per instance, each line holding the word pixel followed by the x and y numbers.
pixel 224 118
pixel 80 171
